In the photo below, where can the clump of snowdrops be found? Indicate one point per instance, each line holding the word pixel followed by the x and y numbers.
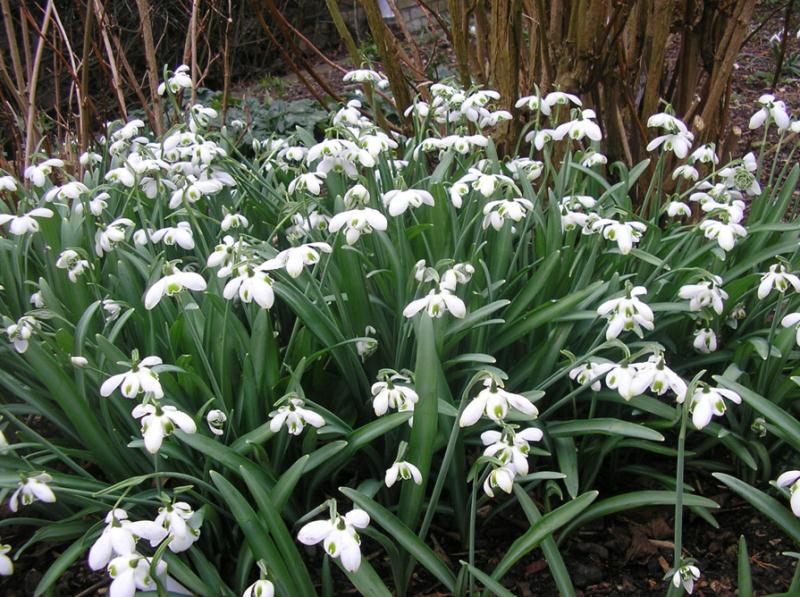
pixel 219 356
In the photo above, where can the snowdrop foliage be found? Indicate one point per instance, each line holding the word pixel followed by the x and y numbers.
pixel 393 277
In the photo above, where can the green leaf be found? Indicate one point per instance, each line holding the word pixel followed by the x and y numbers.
pixel 567 455
pixel 256 534
pixel 280 534
pixel 423 433
pixel 366 580
pixel 615 427
pixel 769 506
pixel 404 536
pixel 554 560
pixel 60 565
pixel 543 529
pixel 631 501
pixel 490 584
pixel 772 412
pixel 744 574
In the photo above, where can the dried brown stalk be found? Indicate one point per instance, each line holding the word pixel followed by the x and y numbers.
pixel 143 6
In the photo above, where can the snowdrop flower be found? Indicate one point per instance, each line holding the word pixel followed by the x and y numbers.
pixel 474 106
pixel 686 172
pixel 260 588
pixel 705 154
pixel 295 417
pixel 233 220
pixel 495 213
pixel 302 226
pixel 772 109
pixel 180 80
pixel 460 273
pixel 250 285
pixel 707 402
pixel 530 169
pixel 436 304
pixel 112 309
pixel 223 256
pixel 494 401
pixel 119 537
pixel 686 575
pixel 36 299
pixel 677 209
pixel 193 192
pixel 590 370
pixel 356 195
pixel 89 159
pixel 357 222
pixel 180 234
pixel 159 422
pixel 171 285
pixel 216 421
pixel 705 341
pixel 705 294
pixel 582 126
pixel 79 362
pixel 398 201
pixel 70 260
pixel 32 488
pixel 779 279
pixel 128 130
pixel 8 183
pixel 344 163
pixel 181 523
pixel 791 479
pixel 501 477
pixel 724 234
pixel 70 191
pixel 6 565
pixel 493 118
pixel 366 347
pixel 405 471
pixel 25 223
pixel 462 144
pixel 131 572
pixel 107 238
pixel 38 173
pixel 511 448
pixel 534 103
pixel 627 313
pixel 365 75
pixel 457 193
pixel 294 258
pixel 390 395
pixel 743 177
pixel 594 158
pixel 121 175
pixel 540 138
pixel 486 183
pixel 627 381
pixel 96 205
pixel 140 378
pixel 655 374
pixel 311 182
pixel 339 536
pixel 626 234
pixel 792 320
pixel 559 98
pixel 20 333
pixel 677 139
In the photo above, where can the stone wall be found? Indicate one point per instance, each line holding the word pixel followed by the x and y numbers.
pixel 415 16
